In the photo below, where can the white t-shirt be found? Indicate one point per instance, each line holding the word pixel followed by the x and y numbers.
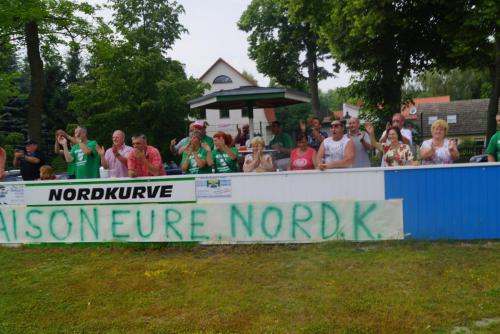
pixel 441 154
pixel 335 150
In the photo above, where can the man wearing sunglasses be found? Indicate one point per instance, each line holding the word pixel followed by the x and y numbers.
pixel 337 151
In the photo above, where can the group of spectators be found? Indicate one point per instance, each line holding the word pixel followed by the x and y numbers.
pixel 199 153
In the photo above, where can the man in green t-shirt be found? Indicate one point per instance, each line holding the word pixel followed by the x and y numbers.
pixel 282 143
pixel 493 149
pixel 83 154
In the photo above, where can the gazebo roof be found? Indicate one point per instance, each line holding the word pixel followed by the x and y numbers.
pixel 250 96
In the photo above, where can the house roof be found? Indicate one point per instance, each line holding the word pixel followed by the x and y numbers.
pixel 405 110
pixel 246 96
pixel 220 60
pixel 471 116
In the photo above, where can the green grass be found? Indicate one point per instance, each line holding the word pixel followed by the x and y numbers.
pixel 335 287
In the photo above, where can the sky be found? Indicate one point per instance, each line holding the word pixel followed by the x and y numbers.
pixel 213 34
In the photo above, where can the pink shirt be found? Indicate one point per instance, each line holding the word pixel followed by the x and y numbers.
pixel 301 162
pixel 116 167
pixel 153 156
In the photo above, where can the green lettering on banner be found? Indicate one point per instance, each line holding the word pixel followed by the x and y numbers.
pixel 52 218
pixel 325 207
pixel 93 226
pixel 3 226
pixel 169 223
pixel 195 224
pixel 14 223
pixel 139 224
pixel 296 221
pixel 247 223
pixel 277 229
pixel 115 223
pixel 30 223
pixel 359 220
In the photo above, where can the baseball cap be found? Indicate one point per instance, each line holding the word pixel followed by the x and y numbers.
pixel 200 124
pixel 30 141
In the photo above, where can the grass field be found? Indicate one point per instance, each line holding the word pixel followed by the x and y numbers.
pixel 335 287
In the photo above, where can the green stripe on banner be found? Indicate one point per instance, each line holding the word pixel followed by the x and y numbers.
pixel 101 204
pixel 106 182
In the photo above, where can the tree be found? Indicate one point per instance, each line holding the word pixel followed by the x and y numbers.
pixel 334 99
pixel 284 48
pixel 384 41
pixel 8 73
pixel 249 76
pixel 130 83
pixel 459 84
pixel 470 32
pixel 34 24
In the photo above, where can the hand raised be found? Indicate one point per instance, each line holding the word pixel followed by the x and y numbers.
pixel 100 149
pixel 62 140
pixel 139 155
pixel 302 125
pixel 369 128
pixel 452 145
pixel 206 147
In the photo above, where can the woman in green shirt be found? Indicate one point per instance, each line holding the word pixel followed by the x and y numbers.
pixel 194 158
pixel 223 158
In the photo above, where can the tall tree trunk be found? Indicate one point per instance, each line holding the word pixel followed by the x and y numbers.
pixel 36 82
pixel 495 92
pixel 312 72
pixel 391 81
pixel 391 90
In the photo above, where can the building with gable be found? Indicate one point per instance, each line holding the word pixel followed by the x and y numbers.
pixel 222 76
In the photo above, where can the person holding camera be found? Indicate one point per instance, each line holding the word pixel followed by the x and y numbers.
pixel 29 161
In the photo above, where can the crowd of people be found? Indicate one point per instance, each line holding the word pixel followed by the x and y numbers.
pixel 200 153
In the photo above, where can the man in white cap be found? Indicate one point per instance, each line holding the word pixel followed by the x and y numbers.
pixel 178 148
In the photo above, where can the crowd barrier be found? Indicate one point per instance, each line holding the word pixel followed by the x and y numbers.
pixel 443 202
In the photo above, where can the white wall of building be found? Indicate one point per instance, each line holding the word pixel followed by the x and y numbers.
pixel 213 116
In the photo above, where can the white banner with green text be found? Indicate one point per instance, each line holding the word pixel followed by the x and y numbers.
pixel 205 223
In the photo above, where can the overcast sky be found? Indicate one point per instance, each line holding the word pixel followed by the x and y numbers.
pixel 213 33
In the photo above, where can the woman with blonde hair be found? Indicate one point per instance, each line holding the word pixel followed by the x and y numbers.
pixel 439 149
pixel 258 161
pixel 47 173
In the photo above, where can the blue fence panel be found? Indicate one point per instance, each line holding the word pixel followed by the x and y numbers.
pixel 449 202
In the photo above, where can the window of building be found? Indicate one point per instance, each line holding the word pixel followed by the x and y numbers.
pixel 244 112
pixel 479 141
pixel 451 119
pixel 432 119
pixel 224 113
pixel 222 79
pixel 203 114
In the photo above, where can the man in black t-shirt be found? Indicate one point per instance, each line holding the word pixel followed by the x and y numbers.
pixel 30 161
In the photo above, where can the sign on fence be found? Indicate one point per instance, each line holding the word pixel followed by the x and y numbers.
pixel 111 192
pixel 205 223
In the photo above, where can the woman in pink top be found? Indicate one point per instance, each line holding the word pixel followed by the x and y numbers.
pixel 303 157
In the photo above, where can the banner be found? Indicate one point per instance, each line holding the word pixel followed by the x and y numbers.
pixel 205 223
pixel 157 190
